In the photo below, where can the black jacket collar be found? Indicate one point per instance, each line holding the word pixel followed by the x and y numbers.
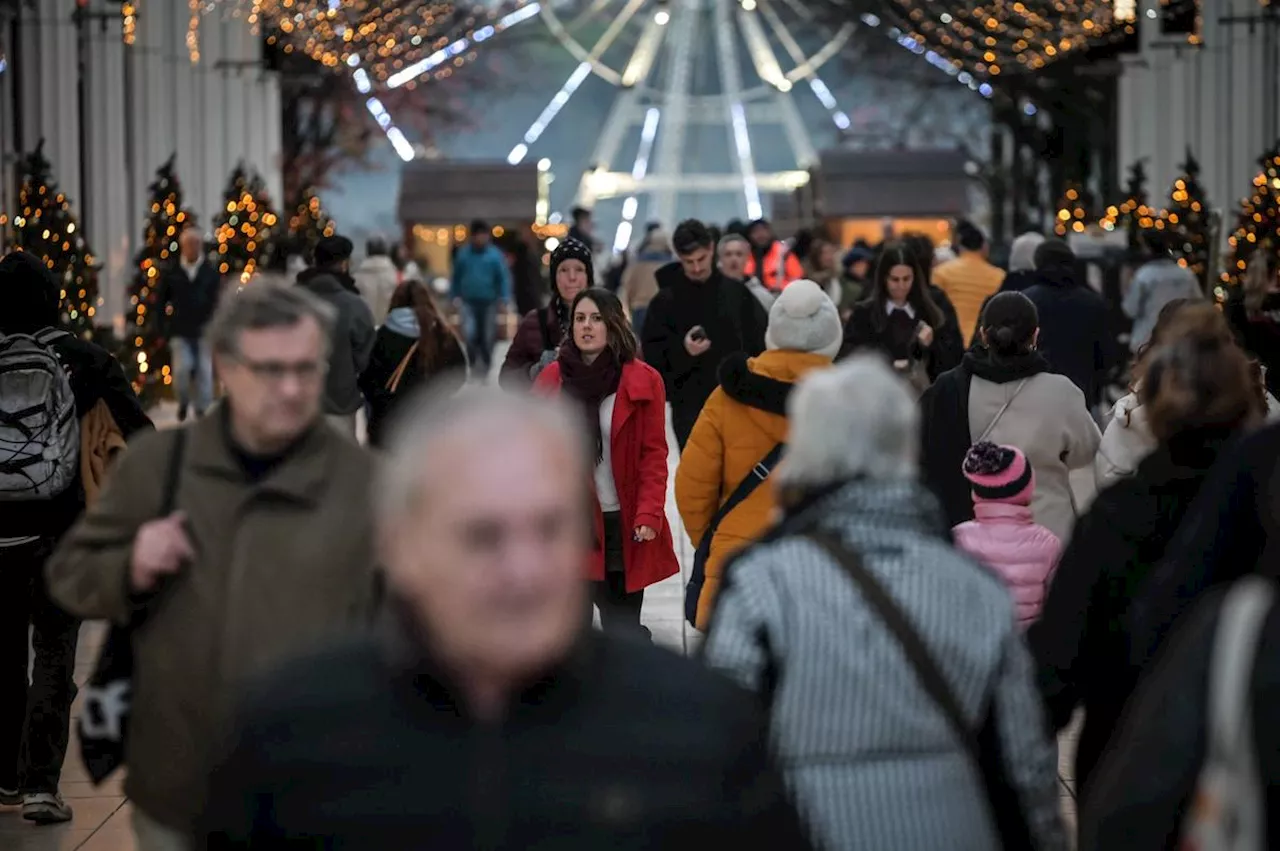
pixel 327 281
pixel 751 389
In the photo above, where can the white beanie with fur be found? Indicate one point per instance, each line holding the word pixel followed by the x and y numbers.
pixel 804 319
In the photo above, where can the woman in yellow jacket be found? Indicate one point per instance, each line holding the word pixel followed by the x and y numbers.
pixel 740 434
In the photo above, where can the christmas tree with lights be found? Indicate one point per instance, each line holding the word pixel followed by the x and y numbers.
pixel 45 226
pixel 1258 227
pixel 1133 215
pixel 1073 211
pixel 244 227
pixel 147 344
pixel 308 225
pixel 1190 232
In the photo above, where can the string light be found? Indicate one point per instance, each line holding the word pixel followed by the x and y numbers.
pixel 244 228
pixel 129 20
pixel 308 225
pixel 1258 224
pixel 193 31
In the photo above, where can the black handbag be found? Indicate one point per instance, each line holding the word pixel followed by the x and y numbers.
pixel 745 488
pixel 983 745
pixel 103 725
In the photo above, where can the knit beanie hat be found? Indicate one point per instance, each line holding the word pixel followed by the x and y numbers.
pixel 571 249
pixel 999 474
pixel 804 319
pixel 30 294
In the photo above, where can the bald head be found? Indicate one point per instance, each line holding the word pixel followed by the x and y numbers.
pixel 192 245
pixel 485 528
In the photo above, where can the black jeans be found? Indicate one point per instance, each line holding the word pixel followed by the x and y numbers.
pixel 35 714
pixel 619 611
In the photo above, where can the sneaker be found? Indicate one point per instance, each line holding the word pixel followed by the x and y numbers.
pixel 10 797
pixel 45 808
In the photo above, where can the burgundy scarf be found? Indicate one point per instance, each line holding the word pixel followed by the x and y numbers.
pixel 589 384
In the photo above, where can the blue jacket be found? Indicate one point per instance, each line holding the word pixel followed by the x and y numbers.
pixel 480 275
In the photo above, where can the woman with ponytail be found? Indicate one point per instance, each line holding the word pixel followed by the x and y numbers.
pixel 1004 392
pixel 1198 394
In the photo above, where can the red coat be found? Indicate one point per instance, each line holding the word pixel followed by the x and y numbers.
pixel 638 443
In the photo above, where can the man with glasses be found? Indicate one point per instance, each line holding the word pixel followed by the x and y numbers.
pixel 264 549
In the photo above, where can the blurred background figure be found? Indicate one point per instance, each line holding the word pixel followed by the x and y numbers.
pixel 189 289
pixel 1022 262
pixel 1157 282
pixel 625 407
pixel 969 279
pixel 721 486
pixel 377 278
pixel 732 252
pixel 481 287
pixel 640 281
pixel 1254 313
pixel 885 682
pixel 855 275
pixel 485 668
pixel 822 267
pixel 540 332
pixel 415 347
pixel 771 259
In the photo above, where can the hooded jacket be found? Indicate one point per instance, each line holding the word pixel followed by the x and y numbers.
pixel 745 417
pixel 352 342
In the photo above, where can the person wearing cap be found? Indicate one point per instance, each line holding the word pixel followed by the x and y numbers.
pixel 481 286
pixel 771 260
pixel 189 289
pixel 1075 335
pixel 855 273
pixel 1004 534
pixel 353 332
pixel 970 279
pixel 538 337
pixel 741 426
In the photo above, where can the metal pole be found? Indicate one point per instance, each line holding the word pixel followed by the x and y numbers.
pixel 81 20
pixel 130 142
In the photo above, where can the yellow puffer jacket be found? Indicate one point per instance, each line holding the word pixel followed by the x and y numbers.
pixel 744 418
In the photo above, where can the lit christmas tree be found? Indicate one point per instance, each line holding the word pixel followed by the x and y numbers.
pixel 46 227
pixel 1188 217
pixel 1073 211
pixel 244 226
pixel 147 363
pixel 1133 214
pixel 1258 227
pixel 308 225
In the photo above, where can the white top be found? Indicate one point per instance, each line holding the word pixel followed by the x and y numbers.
pixel 191 268
pixel 606 488
pixel 890 307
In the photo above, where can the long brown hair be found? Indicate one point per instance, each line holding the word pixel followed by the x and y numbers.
pixel 899 254
pixel 622 340
pixel 435 335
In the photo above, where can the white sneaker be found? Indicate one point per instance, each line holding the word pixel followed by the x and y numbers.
pixel 45 808
pixel 10 797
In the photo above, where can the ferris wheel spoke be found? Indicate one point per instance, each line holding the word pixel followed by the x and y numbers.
pixel 731 81
pixel 670 164
pixel 611 33
pixel 646 50
pixel 762 57
pixel 804 70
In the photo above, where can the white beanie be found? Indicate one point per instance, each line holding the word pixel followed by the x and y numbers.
pixel 804 319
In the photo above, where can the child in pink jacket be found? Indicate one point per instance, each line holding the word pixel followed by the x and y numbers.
pixel 1005 535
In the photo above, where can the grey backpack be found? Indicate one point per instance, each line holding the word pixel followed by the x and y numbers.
pixel 39 432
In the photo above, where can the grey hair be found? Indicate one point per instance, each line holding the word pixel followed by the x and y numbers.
pixel 262 306
pixel 497 414
pixel 730 239
pixel 1022 254
pixel 856 419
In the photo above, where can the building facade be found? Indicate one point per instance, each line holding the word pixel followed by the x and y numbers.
pixel 111 114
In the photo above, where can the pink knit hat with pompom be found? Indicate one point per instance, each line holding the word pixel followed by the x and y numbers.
pixel 999 474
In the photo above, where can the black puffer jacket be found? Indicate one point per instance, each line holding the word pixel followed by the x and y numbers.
pixel 353 336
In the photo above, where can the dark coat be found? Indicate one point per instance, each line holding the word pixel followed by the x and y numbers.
pixel 389 349
pixel 538 332
pixel 95 375
pixel 625 746
pixel 869 328
pixel 192 301
pixel 1074 332
pixel 1259 335
pixel 734 320
pixel 1232 529
pixel 1142 790
pixel 352 341
pixel 1081 641
pixel 638 449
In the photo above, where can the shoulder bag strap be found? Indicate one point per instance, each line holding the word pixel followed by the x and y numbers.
pixel 168 502
pixel 393 383
pixel 759 473
pixel 1003 408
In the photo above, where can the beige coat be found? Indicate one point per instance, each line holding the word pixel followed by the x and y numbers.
pixel 1050 422
pixel 377 280
pixel 280 565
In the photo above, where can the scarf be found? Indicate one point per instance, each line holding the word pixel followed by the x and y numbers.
pixel 982 363
pixel 589 384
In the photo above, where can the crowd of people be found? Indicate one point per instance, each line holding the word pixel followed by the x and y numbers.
pixel 904 593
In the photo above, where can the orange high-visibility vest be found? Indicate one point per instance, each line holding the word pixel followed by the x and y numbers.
pixel 780 267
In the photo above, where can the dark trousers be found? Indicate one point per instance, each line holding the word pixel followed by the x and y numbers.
pixel 619 611
pixel 35 714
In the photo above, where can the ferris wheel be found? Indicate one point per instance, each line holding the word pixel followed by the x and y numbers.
pixel 655 52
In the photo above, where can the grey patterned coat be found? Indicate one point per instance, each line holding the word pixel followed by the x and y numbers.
pixel 871 760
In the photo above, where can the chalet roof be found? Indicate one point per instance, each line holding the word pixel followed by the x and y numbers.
pixel 902 183
pixel 447 192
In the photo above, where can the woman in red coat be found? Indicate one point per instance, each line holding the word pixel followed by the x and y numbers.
pixel 624 403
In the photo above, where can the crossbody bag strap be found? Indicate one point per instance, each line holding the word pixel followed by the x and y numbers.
pixel 393 383
pixel 896 620
pixel 759 473
pixel 1003 408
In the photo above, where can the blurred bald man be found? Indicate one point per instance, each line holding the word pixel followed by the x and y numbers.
pixel 484 713
pixel 189 289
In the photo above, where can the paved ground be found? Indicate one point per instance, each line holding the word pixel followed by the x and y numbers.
pixel 101 820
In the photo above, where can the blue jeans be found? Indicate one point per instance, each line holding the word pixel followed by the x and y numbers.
pixel 480 320
pixel 191 356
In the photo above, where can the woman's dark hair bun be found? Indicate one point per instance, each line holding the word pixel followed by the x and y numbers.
pixel 1010 321
pixel 1004 337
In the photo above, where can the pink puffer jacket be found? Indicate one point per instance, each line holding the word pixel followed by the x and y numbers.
pixel 1007 539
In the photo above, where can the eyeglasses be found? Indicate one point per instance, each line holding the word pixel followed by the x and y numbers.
pixel 275 371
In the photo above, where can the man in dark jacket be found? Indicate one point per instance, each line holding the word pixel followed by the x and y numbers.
pixel 697 319
pixel 1074 334
pixel 487 713
pixel 189 289
pixel 35 712
pixel 353 332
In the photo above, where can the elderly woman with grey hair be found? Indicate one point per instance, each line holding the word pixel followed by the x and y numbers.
pixel 902 699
